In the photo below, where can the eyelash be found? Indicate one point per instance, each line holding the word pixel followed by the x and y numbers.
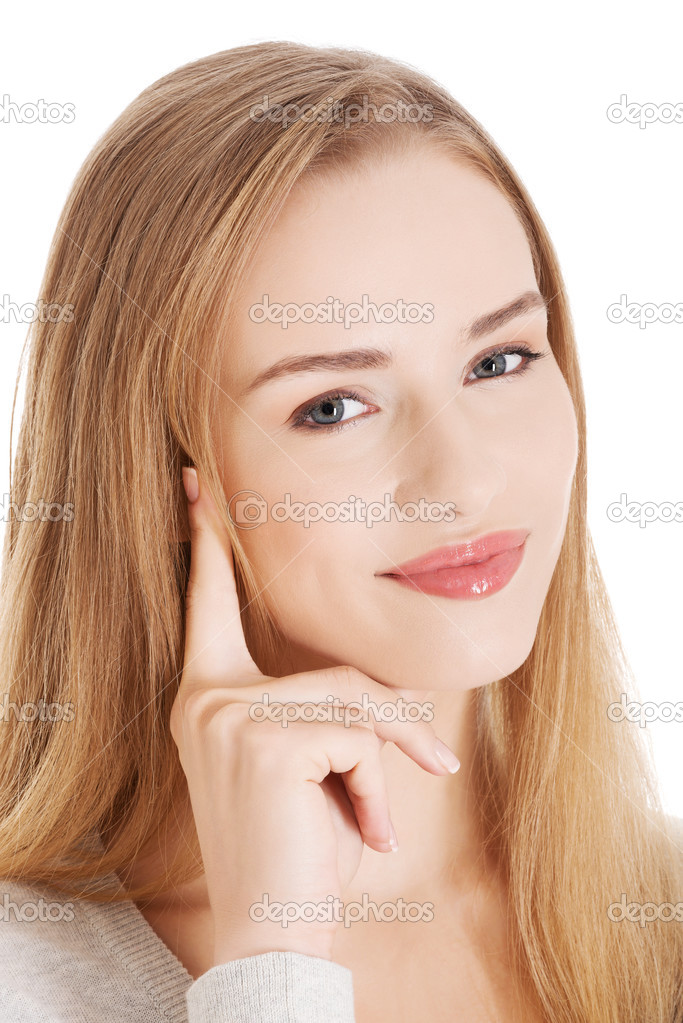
pixel 512 348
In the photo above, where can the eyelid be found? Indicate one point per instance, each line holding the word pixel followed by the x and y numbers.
pixel 341 392
pixel 504 348
pixel 507 348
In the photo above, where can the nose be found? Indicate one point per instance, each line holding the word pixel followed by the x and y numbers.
pixel 454 456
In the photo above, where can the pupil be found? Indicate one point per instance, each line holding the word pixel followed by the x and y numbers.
pixel 332 408
pixel 489 365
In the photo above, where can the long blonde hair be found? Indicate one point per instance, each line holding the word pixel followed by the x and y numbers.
pixel 149 252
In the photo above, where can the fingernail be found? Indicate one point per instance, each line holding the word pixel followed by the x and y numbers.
pixel 446 756
pixel 190 483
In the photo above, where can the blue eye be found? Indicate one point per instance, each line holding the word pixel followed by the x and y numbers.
pixel 497 362
pixel 329 413
pixel 329 410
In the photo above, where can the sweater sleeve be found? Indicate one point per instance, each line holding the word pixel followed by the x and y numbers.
pixel 274 987
pixel 16 1008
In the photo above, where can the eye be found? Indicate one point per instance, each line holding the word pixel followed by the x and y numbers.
pixel 337 410
pixel 330 411
pixel 505 360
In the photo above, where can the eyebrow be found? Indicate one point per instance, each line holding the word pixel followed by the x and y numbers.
pixel 377 358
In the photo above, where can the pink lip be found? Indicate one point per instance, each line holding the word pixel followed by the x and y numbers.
pixel 465 571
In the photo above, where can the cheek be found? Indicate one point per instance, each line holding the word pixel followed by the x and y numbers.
pixel 547 443
pixel 301 563
pixel 557 446
pixel 542 448
pixel 317 581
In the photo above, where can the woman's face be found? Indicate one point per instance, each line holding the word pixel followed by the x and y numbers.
pixel 437 421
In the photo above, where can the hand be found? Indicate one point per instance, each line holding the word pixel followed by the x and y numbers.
pixel 278 811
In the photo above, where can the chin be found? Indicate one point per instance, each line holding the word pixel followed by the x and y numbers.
pixel 462 665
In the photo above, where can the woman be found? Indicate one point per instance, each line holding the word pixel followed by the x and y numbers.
pixel 307 282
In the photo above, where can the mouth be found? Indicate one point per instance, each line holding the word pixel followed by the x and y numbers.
pixel 468 571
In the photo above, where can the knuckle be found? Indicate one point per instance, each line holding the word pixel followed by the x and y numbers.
pixel 197 707
pixel 349 679
pixel 262 737
pixel 226 721
pixel 263 744
pixel 369 737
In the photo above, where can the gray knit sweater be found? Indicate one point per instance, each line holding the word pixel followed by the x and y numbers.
pixel 87 962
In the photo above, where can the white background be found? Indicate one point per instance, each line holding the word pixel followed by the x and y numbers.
pixel 541 81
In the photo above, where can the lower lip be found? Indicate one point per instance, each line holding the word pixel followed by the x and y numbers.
pixel 469 582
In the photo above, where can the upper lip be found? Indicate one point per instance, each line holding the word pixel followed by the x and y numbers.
pixel 481 548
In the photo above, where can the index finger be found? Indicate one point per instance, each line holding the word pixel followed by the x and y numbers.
pixel 216 651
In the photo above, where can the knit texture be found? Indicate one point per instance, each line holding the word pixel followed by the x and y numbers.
pixel 87 962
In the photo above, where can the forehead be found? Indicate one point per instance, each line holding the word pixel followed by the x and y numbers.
pixel 420 226
pixel 419 220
